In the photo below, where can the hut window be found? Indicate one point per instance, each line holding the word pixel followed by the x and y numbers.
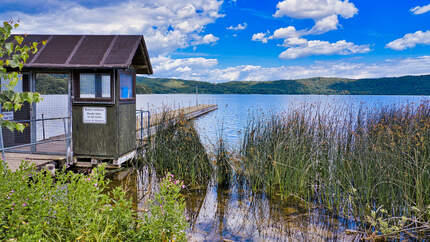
pixel 94 85
pixel 126 85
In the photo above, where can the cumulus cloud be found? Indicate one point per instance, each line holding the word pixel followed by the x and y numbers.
pixel 262 37
pixel 325 25
pixel 164 64
pixel 203 69
pixel 283 33
pixel 315 9
pixel 318 47
pixel 207 39
pixel 420 9
pixel 294 42
pixel 167 25
pixel 410 40
pixel 324 12
pixel 238 27
pixel 298 47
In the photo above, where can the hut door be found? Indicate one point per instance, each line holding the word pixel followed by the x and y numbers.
pixel 13 138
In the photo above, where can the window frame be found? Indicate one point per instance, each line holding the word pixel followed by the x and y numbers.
pixel 133 80
pixel 77 87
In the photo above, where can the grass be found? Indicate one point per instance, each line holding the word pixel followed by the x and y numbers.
pixel 176 148
pixel 369 166
pixel 373 165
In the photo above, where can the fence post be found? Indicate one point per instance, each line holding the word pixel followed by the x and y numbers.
pixel 69 140
pixel 141 125
pixel 43 127
pixel 33 128
pixel 67 134
pixel 1 144
pixel 149 126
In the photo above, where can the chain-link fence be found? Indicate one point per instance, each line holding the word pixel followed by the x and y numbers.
pixel 47 123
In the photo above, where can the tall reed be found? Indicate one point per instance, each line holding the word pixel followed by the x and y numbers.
pixel 356 164
pixel 176 148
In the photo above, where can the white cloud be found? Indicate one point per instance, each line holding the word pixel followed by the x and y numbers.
pixel 325 25
pixel 207 39
pixel 238 27
pixel 262 37
pixel 163 64
pixel 283 33
pixel 315 9
pixel 166 24
pixel 325 14
pixel 294 42
pixel 318 47
pixel 207 70
pixel 420 9
pixel 410 40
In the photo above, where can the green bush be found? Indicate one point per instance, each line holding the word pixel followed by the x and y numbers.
pixel 37 207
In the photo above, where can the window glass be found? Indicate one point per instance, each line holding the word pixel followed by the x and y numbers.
pixel 94 85
pixel 126 85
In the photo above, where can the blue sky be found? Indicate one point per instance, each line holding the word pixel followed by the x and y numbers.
pixel 250 40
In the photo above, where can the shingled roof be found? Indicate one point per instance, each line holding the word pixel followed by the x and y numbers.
pixel 89 51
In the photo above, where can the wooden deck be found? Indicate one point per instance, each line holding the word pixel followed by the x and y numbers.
pixel 54 150
pixel 14 160
pixel 188 113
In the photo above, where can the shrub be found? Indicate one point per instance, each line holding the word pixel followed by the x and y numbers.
pixel 35 206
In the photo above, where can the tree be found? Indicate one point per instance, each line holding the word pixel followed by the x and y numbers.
pixel 13 55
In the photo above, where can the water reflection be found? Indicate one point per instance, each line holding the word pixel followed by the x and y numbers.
pixel 235 213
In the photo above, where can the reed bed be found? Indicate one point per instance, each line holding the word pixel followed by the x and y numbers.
pixel 176 148
pixel 372 165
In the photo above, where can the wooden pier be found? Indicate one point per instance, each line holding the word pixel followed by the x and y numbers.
pixel 49 153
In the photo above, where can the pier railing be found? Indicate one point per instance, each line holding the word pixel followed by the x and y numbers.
pixel 50 136
pixel 143 120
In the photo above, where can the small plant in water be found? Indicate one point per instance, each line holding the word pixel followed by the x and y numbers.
pixel 166 221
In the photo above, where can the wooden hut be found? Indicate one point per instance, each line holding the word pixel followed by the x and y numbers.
pixel 102 93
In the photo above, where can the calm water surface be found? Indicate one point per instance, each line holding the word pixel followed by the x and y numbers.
pixel 235 213
pixel 234 111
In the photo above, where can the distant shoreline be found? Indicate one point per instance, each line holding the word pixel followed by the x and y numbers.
pixel 406 85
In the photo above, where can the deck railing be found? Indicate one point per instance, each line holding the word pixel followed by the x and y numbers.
pixel 141 123
pixel 35 145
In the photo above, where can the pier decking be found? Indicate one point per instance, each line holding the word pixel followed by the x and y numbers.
pixel 50 151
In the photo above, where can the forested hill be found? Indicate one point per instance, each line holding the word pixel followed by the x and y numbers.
pixel 407 85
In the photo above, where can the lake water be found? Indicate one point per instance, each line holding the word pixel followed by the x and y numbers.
pixel 235 213
pixel 234 111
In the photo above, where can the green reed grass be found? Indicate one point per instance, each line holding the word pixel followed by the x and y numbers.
pixel 352 164
pixel 176 148
pixel 223 159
